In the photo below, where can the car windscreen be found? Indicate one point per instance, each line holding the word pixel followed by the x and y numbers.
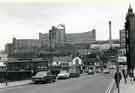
pixel 39 74
pixel 63 72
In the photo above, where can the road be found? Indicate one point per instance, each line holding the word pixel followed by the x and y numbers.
pixel 84 84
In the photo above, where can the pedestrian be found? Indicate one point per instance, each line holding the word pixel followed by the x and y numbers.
pixel 131 74
pixel 134 74
pixel 117 77
pixel 124 75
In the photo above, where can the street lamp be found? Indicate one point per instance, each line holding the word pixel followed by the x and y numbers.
pixel 3 67
pixel 117 71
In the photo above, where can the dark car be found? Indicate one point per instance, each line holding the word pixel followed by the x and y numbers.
pixel 74 74
pixel 43 77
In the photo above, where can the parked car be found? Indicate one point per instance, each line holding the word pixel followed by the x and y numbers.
pixel 63 75
pixel 106 71
pixel 112 67
pixel 74 74
pixel 98 70
pixel 90 71
pixel 43 76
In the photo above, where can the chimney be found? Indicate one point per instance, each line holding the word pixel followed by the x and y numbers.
pixel 110 34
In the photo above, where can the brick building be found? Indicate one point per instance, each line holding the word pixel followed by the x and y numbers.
pixel 59 37
pixel 23 47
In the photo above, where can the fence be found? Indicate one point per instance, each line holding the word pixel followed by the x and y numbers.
pixel 15 75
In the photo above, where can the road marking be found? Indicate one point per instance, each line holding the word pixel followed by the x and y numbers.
pixel 110 87
pixel 85 77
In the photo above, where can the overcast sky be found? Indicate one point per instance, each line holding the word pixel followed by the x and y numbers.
pixel 26 18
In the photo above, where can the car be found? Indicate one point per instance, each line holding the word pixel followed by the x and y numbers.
pixel 63 75
pixel 90 71
pixel 74 74
pixel 106 71
pixel 112 67
pixel 98 70
pixel 43 77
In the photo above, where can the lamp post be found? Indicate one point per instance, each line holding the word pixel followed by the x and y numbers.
pixel 118 76
pixel 6 74
pixel 117 71
pixel 50 49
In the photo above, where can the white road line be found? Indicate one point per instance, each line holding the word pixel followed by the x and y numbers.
pixel 110 87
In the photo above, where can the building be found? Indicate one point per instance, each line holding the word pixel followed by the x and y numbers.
pixel 122 38
pixel 27 51
pixel 3 56
pixel 54 38
pixel 57 40
pixel 9 49
pixel 58 37
pixel 23 48
pixel 26 43
pixel 130 38
pixel 79 38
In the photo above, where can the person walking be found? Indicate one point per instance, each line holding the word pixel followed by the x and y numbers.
pixel 134 74
pixel 124 75
pixel 117 77
pixel 131 75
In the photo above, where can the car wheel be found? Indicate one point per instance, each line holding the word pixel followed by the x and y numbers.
pixel 54 80
pixel 51 81
pixel 34 82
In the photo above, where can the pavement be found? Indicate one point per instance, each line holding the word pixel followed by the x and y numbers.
pixel 84 84
pixel 15 83
pixel 126 88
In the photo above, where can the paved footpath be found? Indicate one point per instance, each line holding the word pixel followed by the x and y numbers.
pixel 16 83
pixel 126 88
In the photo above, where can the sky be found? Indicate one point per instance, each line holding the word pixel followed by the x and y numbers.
pixel 24 19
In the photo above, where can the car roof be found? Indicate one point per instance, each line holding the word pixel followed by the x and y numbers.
pixel 43 72
pixel 63 71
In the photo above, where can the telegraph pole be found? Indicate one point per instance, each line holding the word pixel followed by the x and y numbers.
pixel 52 44
pixel 118 72
pixel 50 49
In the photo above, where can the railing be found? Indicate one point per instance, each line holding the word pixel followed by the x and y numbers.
pixel 15 75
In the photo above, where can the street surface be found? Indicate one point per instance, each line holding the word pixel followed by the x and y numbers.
pixel 84 84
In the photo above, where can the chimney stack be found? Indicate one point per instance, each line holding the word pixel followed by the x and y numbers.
pixel 110 34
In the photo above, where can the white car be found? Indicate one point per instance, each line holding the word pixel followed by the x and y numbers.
pixel 63 75
pixel 90 71
pixel 106 71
